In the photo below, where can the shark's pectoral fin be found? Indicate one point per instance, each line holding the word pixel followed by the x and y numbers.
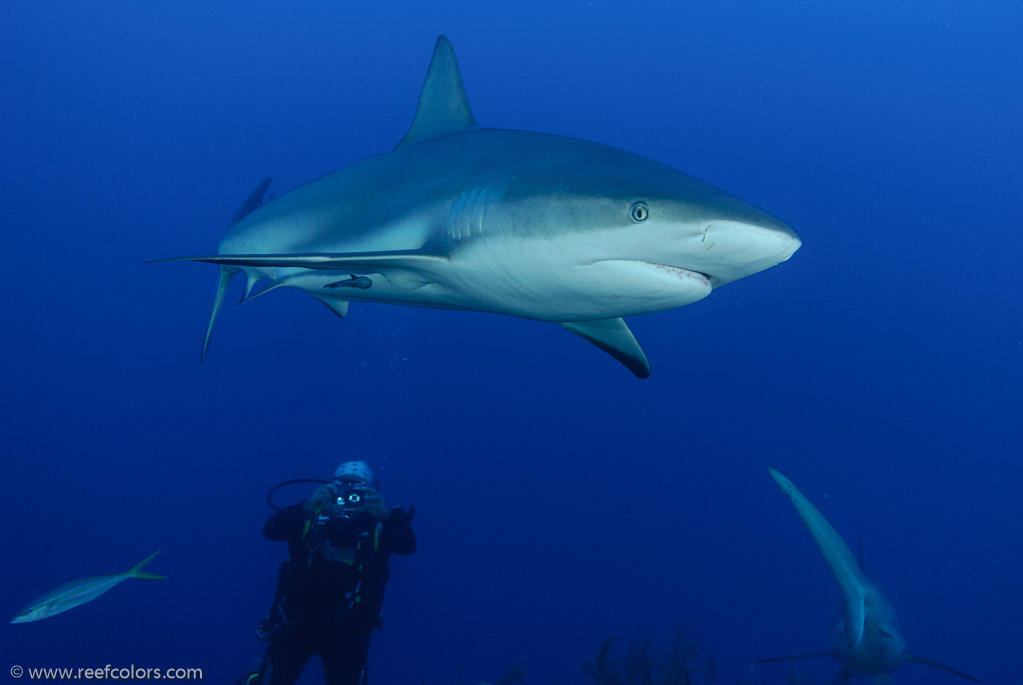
pixel 226 273
pixel 934 664
pixel 809 655
pixel 855 617
pixel 614 337
pixel 443 108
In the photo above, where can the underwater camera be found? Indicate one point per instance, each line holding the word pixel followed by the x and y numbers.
pixel 352 498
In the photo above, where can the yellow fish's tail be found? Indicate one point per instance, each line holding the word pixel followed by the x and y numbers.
pixel 137 572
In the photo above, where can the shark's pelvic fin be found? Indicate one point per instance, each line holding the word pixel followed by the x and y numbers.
pixel 614 337
pixel 839 558
pixel 252 202
pixel 226 274
pixel 934 664
pixel 339 307
pixel 809 655
pixel 443 108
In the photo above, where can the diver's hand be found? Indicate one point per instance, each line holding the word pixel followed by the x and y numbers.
pixel 374 505
pixel 319 500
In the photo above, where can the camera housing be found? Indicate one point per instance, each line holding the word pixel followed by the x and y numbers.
pixel 351 498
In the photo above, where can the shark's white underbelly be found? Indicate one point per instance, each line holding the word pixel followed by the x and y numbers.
pixel 529 284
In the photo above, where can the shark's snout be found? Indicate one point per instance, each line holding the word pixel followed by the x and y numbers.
pixel 748 243
pixel 735 249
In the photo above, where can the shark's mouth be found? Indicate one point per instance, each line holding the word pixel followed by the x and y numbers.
pixel 684 273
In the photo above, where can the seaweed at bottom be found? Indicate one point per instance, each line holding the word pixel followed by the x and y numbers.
pixel 684 663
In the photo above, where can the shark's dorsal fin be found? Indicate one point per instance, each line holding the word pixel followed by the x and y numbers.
pixel 443 108
pixel 252 202
pixel 934 664
pixel 614 337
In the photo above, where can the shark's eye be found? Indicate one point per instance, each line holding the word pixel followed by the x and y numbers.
pixel 639 212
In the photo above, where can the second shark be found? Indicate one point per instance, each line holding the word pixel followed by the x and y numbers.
pixel 868 637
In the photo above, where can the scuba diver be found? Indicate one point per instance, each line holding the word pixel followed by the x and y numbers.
pixel 331 587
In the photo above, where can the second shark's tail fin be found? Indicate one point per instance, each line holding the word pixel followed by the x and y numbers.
pixel 934 664
pixel 808 655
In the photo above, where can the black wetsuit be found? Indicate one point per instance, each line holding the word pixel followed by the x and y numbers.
pixel 330 591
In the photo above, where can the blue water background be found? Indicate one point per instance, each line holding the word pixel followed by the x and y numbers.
pixel 559 499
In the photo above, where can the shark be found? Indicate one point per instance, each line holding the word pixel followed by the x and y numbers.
pixel 530 225
pixel 867 637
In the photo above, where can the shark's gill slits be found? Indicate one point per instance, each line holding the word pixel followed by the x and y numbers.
pixel 465 219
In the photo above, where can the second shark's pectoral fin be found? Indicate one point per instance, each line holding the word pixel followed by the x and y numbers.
pixel 614 337
pixel 934 664
pixel 855 617
pixel 226 274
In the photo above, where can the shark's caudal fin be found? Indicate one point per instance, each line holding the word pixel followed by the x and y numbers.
pixel 614 337
pixel 934 664
pixel 137 572
pixel 809 655
pixel 443 107
pixel 846 571
pixel 252 202
pixel 226 274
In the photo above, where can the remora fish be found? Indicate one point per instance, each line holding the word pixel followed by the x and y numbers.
pixel 524 224
pixel 70 595
pixel 868 637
